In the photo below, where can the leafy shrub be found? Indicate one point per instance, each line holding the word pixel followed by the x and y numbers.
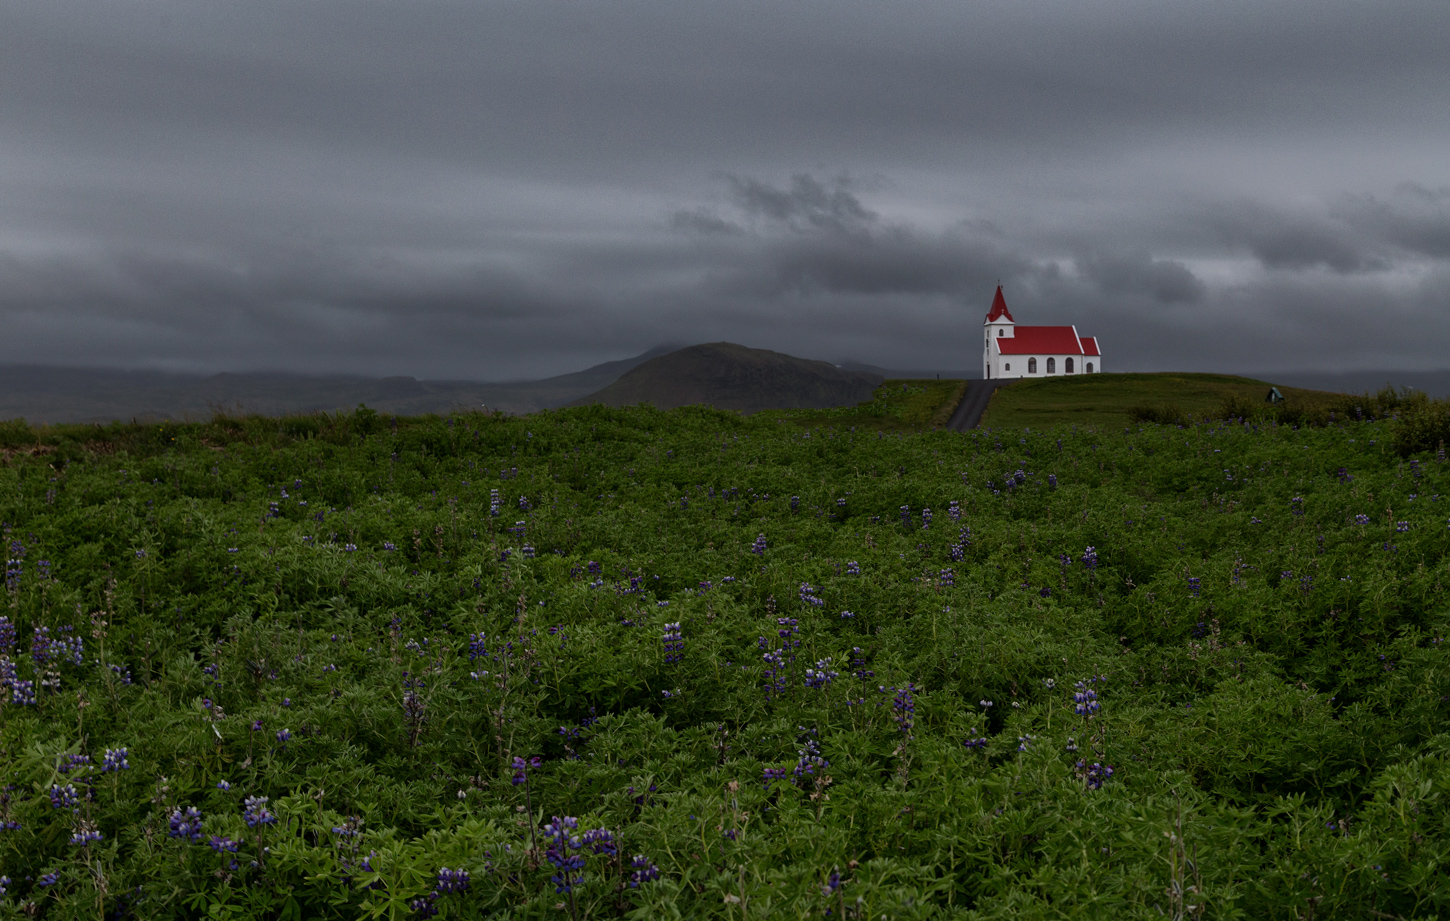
pixel 323 667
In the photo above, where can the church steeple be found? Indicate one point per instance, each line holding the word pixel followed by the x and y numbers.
pixel 999 309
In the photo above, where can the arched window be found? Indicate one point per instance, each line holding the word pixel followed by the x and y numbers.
pixel 1032 366
pixel 999 332
pixel 1089 367
pixel 1051 365
pixel 1067 366
pixel 1007 366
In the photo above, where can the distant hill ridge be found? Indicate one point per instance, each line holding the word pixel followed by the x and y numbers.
pixel 730 376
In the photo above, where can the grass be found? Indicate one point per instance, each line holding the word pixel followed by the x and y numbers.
pixel 896 406
pixel 1110 399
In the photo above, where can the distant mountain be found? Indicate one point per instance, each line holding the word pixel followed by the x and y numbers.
pixel 730 376
pixel 1435 384
pixel 58 395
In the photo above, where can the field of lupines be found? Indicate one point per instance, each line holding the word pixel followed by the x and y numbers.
pixel 599 663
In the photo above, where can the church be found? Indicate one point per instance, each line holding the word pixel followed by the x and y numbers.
pixel 1011 351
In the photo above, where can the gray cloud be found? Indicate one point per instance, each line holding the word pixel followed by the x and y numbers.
pixel 1282 240
pixel 1164 280
pixel 496 189
pixel 1414 217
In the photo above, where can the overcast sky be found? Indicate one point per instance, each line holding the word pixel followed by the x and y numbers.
pixel 507 190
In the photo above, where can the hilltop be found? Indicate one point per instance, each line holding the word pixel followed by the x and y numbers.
pixel 729 376
pixel 1107 399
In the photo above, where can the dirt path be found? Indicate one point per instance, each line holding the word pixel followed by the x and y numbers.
pixel 974 403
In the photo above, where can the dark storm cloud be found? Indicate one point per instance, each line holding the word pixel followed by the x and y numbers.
pixel 1288 241
pixel 1413 217
pixel 510 189
pixel 1164 280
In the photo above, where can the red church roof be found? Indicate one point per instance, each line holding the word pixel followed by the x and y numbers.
pixel 1044 340
pixel 1090 345
pixel 999 308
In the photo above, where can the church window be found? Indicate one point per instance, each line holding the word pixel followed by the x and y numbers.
pixel 1067 366
pixel 1051 365
pixel 1089 367
pixel 999 332
pixel 1032 366
pixel 1007 367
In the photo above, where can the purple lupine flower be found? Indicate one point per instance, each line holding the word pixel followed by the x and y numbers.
pixel 14 567
pixel 47 880
pixel 115 760
pixel 947 578
pixel 809 762
pixel 771 774
pixel 906 516
pixel 1195 585
pixel 1296 505
pixel 974 741
pixel 451 881
pixel 7 636
pixel 600 841
pixel 65 797
pixel 563 841
pixel 821 676
pixel 1402 526
pixel 522 767
pixel 85 834
pixel 759 547
pixel 1052 481
pixel 476 646
pixel 674 642
pixel 642 871
pixel 903 709
pixel 221 843
pixel 1090 558
pixel 186 823
pixel 74 763
pixel 40 644
pixel 925 519
pixel 1094 775
pixel 255 812
pixel 853 568
pixel 22 692
pixel 284 736
pixel 1361 519
pixel 1085 700
pixel 954 510
pixel 808 595
pixel 795 503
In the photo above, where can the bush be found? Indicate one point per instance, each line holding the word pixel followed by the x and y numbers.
pixel 1422 426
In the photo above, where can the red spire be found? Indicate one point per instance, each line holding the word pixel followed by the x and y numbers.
pixel 999 308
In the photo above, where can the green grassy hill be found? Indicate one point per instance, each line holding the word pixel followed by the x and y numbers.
pixel 1110 399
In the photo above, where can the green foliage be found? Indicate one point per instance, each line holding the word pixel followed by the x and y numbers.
pixel 896 406
pixel 1124 399
pixel 1243 619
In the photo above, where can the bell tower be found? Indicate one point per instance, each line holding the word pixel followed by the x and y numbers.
pixel 998 325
